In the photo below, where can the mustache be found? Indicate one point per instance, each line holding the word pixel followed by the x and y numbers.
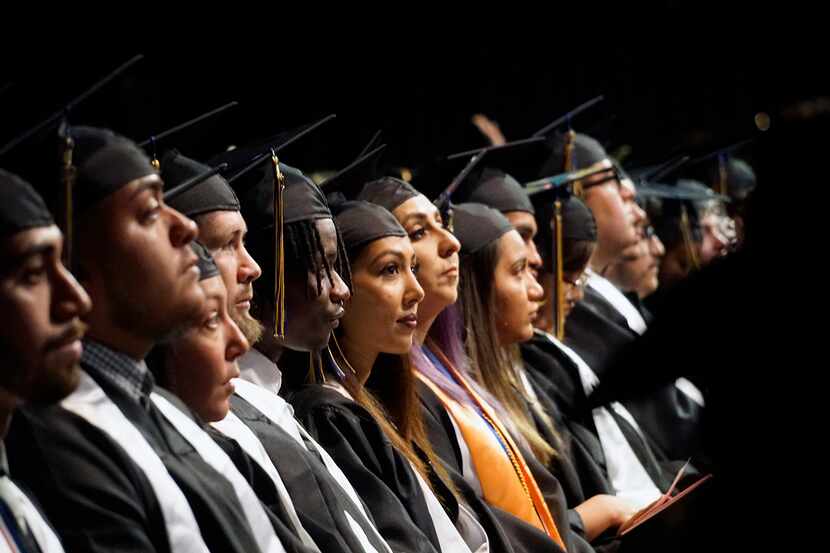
pixel 76 330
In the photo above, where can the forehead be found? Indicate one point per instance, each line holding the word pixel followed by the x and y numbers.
pixel 414 208
pixel 31 240
pixel 511 247
pixel 214 288
pixel 398 245
pixel 521 219
pixel 328 234
pixel 221 223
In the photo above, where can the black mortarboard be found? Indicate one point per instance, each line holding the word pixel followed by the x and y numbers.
pixel 104 162
pixel 477 225
pixel 21 208
pixel 495 181
pixel 388 192
pixel 207 267
pixel 363 222
pixel 212 194
pixel 62 113
pixel 350 180
pixel 156 138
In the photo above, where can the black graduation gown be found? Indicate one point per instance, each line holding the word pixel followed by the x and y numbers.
pixel 318 499
pixel 99 500
pixel 379 473
pixel 556 376
pixel 520 536
pixel 601 336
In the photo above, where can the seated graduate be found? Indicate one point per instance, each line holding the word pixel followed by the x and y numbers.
pixel 463 426
pixel 41 351
pixel 299 302
pixel 609 434
pixel 113 473
pixel 363 407
pixel 310 485
pixel 198 367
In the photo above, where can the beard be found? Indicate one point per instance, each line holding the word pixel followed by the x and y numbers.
pixel 251 328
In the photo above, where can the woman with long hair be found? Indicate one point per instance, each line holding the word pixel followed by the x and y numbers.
pixel 362 405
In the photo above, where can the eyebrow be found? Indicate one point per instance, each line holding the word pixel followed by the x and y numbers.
pixel 397 253
pixel 419 216
pixel 153 184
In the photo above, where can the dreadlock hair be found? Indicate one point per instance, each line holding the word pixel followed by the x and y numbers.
pixel 303 254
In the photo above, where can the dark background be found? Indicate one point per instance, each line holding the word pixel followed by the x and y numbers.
pixel 676 90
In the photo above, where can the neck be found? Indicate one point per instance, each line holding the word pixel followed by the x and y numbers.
pixel 269 346
pixel 120 341
pixel 426 318
pixel 361 359
pixel 601 261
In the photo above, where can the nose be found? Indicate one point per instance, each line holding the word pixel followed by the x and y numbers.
pixel 237 344
pixel 657 249
pixel 414 293
pixel 339 292
pixel 182 229
pixel 448 245
pixel 535 293
pixel 70 299
pixel 249 270
pixel 533 257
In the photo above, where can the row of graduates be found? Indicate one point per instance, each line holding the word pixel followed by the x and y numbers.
pixel 364 364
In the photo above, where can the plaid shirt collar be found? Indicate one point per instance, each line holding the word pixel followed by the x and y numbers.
pixel 130 375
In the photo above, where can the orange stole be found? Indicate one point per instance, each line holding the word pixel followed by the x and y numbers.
pixel 519 495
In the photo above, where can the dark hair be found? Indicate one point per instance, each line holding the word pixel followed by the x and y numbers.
pixel 491 364
pixel 303 253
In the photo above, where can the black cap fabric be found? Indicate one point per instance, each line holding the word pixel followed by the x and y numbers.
pixel 21 208
pixel 207 267
pixel 361 223
pixel 388 192
pixel 105 163
pixel 477 225
pixel 212 194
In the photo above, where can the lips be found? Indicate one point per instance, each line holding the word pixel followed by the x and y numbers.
pixel 334 319
pixel 410 321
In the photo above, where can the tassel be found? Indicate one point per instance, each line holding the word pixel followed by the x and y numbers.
pixel 68 178
pixel 559 277
pixel 279 243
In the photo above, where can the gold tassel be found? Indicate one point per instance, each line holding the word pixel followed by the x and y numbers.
pixel 279 244
pixel 688 241
pixel 68 177
pixel 559 282
pixel 155 163
pixel 568 165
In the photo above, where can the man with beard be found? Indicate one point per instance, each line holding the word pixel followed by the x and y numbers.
pixel 42 350
pixel 112 472
pixel 318 492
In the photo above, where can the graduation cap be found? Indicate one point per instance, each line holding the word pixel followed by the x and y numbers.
pixel 562 211
pixel 495 178
pixel 67 146
pixel 153 140
pixel 567 149
pixel 477 226
pixel 734 179
pixel 361 222
pixel 62 113
pixel 375 140
pixel 243 160
pixel 349 181
pixel 679 212
pixel 21 208
pixel 195 187
pixel 279 195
